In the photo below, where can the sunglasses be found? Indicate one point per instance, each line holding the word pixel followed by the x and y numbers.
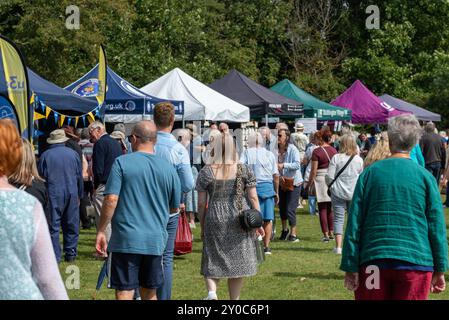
pixel 133 135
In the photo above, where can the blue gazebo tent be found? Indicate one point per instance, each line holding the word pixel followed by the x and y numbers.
pixel 57 98
pixel 124 102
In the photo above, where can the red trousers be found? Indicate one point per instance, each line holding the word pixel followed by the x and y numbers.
pixel 326 217
pixel 394 285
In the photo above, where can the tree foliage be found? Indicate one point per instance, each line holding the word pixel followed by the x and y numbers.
pixel 322 45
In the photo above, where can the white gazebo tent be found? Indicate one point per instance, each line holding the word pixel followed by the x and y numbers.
pixel 200 101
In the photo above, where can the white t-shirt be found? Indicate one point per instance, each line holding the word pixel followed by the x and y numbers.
pixel 344 187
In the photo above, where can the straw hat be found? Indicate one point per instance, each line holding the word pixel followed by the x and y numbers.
pixel 120 127
pixel 57 136
pixel 299 126
pixel 119 136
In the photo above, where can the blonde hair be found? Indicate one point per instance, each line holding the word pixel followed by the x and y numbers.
pixel 380 151
pixel 223 153
pixel 348 145
pixel 27 170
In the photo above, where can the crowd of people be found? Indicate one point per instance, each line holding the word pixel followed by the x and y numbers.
pixel 135 187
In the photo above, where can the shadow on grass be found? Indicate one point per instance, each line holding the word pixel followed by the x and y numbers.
pixel 319 276
pixel 304 249
pixel 324 276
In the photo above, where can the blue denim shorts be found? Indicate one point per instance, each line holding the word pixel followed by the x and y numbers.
pixel 130 271
pixel 267 208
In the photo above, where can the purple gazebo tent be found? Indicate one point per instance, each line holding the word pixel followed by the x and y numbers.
pixel 366 107
pixel 420 113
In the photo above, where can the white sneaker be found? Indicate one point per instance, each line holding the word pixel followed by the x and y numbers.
pixel 300 206
pixel 337 250
pixel 211 298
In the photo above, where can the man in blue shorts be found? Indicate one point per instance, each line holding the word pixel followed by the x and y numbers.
pixel 141 191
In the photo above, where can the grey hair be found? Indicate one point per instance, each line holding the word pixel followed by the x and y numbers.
pixel 255 139
pixel 96 125
pixel 404 133
pixel 430 127
pixel 84 133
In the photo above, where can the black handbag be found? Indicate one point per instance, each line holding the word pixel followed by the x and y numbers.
pixel 250 218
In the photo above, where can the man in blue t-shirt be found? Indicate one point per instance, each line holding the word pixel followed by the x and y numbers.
pixel 174 153
pixel 140 193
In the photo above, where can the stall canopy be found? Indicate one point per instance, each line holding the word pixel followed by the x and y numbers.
pixel 200 101
pixel 124 102
pixel 313 107
pixel 57 98
pixel 366 107
pixel 420 113
pixel 261 101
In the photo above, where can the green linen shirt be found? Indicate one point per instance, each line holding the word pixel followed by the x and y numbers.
pixel 396 213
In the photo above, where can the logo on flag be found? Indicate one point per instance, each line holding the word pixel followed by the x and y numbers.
pixel 88 88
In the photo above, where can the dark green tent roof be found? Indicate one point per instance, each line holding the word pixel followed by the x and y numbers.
pixel 313 107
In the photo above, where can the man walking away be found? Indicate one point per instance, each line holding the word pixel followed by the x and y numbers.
pixel 432 149
pixel 174 153
pixel 106 149
pixel 141 192
pixel 61 168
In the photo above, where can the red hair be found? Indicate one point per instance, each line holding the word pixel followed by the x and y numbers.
pixel 326 135
pixel 10 147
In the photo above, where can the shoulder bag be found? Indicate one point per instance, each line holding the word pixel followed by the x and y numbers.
pixel 286 183
pixel 251 218
pixel 338 174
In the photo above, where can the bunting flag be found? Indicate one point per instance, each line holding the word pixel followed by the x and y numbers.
pixel 62 120
pixel 101 96
pixel 47 112
pixel 91 117
pixel 59 117
pixel 38 116
pixel 14 88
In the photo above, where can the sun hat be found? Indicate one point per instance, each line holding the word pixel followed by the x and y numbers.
pixel 120 127
pixel 119 136
pixel 57 136
pixel 299 126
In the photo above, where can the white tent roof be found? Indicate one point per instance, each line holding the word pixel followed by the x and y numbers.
pixel 200 101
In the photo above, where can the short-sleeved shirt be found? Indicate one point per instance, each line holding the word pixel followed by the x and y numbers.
pixel 320 155
pixel 262 162
pixel 147 187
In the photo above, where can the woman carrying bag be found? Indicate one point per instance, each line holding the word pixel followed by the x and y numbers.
pixel 341 178
pixel 289 166
pixel 321 157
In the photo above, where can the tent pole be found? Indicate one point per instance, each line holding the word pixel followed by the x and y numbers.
pixel 266 119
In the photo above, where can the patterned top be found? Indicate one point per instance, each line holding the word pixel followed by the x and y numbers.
pixel 228 250
pixel 28 269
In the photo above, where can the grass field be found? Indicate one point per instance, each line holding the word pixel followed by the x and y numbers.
pixel 295 271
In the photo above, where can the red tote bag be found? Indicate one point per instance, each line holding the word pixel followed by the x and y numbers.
pixel 183 241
